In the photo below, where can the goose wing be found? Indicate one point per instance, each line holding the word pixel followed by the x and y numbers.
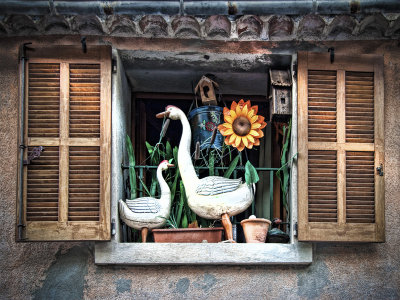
pixel 213 185
pixel 143 205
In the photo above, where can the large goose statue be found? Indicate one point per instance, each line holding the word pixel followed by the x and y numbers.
pixel 212 197
pixel 147 212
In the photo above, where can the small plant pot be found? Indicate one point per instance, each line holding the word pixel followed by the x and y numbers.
pixel 188 235
pixel 255 230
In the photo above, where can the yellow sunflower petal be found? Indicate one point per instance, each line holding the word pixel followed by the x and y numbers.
pixel 221 126
pixel 233 105
pixel 227 132
pixel 255 108
pixel 228 119
pixel 241 102
pixel 263 124
pixel 232 139
pixel 253 119
pixel 245 110
pixel 248 104
pixel 250 114
pixel 227 141
pixel 253 133
pixel 238 140
pixel 227 125
pixel 255 125
pixel 250 146
pixel 260 119
pixel 238 110
pixel 233 114
pixel 257 142
pixel 226 111
pixel 250 138
pixel 260 133
pixel 245 141
pixel 241 147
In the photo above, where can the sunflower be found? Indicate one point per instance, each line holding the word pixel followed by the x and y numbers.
pixel 243 127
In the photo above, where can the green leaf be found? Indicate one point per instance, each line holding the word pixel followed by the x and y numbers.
pixel 132 163
pixel 150 148
pixel 211 162
pixel 232 167
pixel 168 151
pixel 185 222
pixel 250 174
pixel 181 203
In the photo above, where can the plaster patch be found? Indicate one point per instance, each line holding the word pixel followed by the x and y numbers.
pixel 123 285
pixel 313 280
pixel 65 279
pixel 206 283
pixel 182 285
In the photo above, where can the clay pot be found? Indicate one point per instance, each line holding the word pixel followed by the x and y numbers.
pixel 255 229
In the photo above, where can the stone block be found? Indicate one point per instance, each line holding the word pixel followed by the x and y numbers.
pixel 311 27
pixel 373 26
pixel 154 25
pixel 21 25
pixel 218 26
pixel 249 27
pixel 186 27
pixel 340 25
pixel 120 25
pixel 54 24
pixel 280 27
pixel 90 25
pixel 394 29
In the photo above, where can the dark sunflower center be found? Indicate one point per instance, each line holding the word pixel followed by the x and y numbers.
pixel 241 126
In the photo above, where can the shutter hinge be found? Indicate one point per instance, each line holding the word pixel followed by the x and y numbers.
pixel 380 170
pixel 114 66
pixel 35 153
pixel 113 231
pixel 332 51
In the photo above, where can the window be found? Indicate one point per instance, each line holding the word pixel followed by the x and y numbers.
pixel 340 121
pixel 66 187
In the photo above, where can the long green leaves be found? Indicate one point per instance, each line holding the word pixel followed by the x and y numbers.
pixel 232 166
pixel 250 174
pixel 132 163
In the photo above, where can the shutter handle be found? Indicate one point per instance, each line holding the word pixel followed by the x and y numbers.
pixel 380 170
pixel 35 153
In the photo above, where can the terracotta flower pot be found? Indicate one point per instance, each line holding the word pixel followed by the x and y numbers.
pixel 188 235
pixel 255 229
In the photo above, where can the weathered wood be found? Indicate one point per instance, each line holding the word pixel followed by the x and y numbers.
pixel 359 119
pixel 80 181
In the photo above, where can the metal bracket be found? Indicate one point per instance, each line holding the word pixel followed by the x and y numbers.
pixel 380 170
pixel 332 51
pixel 35 153
pixel 83 42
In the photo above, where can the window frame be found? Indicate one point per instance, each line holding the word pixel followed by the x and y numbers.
pixel 115 252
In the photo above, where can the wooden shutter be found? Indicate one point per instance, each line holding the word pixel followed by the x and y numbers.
pixel 340 143
pixel 68 112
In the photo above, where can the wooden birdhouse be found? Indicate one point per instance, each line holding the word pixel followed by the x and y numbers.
pixel 206 87
pixel 280 94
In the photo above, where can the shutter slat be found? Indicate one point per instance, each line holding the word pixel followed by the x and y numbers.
pixel 321 106
pixel 84 91
pixel 42 186
pixel 84 186
pixel 322 186
pixel 359 107
pixel 360 188
pixel 43 99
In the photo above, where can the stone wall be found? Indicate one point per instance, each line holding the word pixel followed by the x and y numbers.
pixel 46 270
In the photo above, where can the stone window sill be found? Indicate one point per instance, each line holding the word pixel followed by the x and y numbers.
pixel 202 254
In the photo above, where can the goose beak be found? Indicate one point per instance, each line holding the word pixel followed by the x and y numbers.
pixel 162 115
pixel 170 165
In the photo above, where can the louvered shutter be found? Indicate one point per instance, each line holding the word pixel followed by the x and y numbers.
pixel 340 144
pixel 68 112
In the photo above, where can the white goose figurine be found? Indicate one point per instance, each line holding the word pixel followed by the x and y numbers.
pixel 147 212
pixel 211 197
